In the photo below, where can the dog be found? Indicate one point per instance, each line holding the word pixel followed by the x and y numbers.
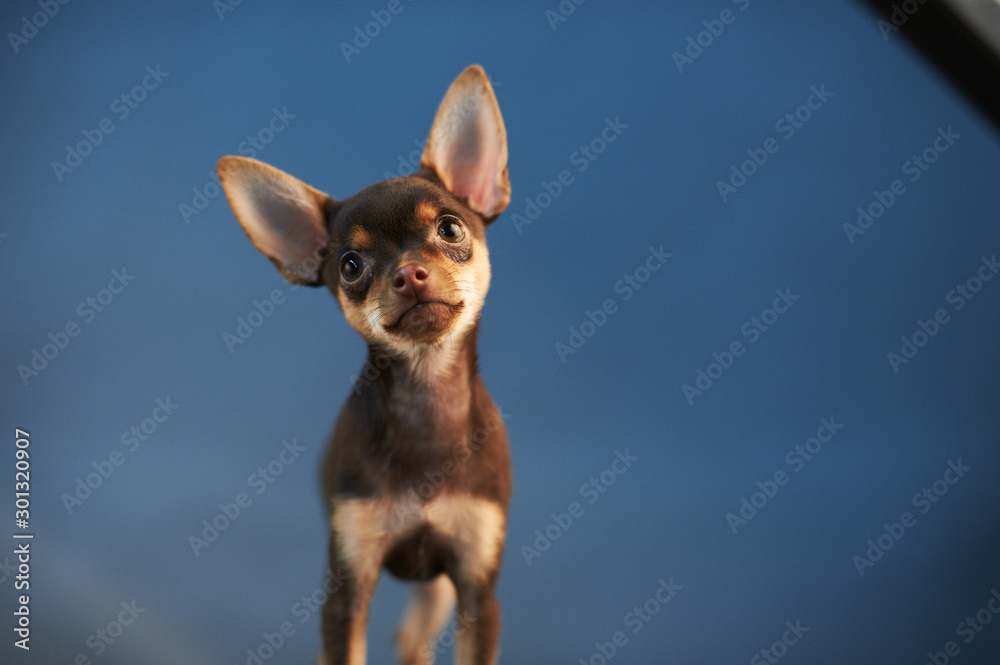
pixel 417 473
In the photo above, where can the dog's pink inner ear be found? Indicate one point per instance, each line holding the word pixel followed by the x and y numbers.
pixel 467 147
pixel 284 217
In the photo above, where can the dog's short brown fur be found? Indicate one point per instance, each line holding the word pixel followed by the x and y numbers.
pixel 417 472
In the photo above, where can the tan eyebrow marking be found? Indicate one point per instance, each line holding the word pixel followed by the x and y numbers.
pixel 359 239
pixel 426 213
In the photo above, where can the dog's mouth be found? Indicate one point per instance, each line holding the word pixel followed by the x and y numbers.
pixel 425 321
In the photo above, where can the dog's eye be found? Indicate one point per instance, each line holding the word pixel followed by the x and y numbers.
pixel 351 267
pixel 450 229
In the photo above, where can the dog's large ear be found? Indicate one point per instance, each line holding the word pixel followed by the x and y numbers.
pixel 467 147
pixel 285 218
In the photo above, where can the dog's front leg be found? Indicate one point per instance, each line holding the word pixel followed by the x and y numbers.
pixel 478 622
pixel 345 613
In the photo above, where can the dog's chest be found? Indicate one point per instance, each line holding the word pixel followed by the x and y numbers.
pixel 417 539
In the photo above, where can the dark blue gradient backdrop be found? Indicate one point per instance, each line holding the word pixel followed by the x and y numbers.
pixel 807 494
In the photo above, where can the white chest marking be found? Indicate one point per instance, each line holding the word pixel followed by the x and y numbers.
pixel 366 528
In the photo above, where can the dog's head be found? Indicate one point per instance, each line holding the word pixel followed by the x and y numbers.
pixel 405 258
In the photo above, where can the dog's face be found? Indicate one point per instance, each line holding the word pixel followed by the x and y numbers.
pixel 407 261
pixel 405 258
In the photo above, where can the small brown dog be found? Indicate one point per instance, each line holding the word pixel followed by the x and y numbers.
pixel 418 470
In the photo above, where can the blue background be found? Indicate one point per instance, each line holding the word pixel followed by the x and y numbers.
pixel 665 517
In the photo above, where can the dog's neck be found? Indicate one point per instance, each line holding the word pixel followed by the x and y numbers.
pixel 431 388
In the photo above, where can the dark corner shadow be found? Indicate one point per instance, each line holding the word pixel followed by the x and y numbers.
pixel 961 38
